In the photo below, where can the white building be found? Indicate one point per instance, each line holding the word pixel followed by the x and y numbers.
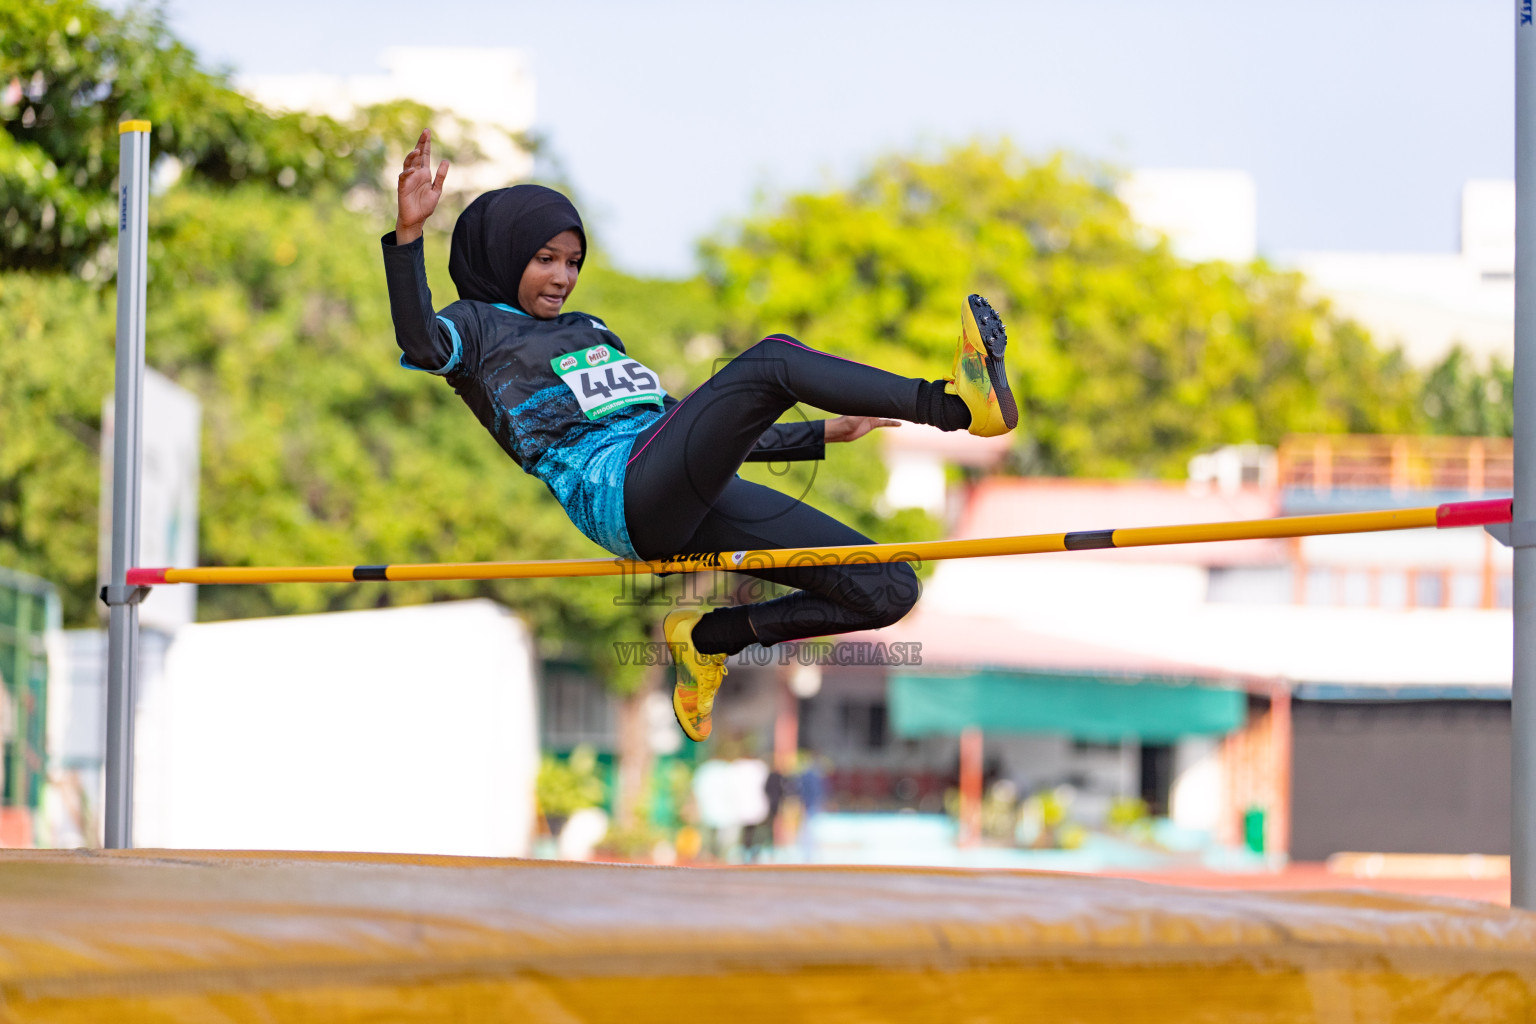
pixel 489 87
pixel 1375 667
pixel 1429 301
pixel 1425 302
pixel 1205 214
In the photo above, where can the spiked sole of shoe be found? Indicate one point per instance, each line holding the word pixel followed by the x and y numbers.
pixel 984 323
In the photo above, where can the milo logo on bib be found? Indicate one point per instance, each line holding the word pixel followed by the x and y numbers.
pixel 604 380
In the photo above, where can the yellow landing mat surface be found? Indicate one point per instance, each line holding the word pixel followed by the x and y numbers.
pixel 279 937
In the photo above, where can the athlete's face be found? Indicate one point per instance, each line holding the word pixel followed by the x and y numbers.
pixel 550 276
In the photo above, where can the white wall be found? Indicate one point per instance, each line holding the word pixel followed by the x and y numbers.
pixel 1488 223
pixel 1205 214
pixel 1408 549
pixel 1020 587
pixel 408 730
pixel 1428 302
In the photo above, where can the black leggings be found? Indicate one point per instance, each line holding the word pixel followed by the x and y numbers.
pixel 682 494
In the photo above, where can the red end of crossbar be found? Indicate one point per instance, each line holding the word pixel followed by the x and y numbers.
pixel 1475 513
pixel 145 577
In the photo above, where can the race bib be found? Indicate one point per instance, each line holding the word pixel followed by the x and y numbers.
pixel 604 379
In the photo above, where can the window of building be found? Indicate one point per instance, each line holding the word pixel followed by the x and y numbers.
pixel 1333 586
pixel 1466 589
pixel 1429 589
pixel 877 726
pixel 1319 589
pixel 864 724
pixel 575 709
pixel 847 730
pixel 1156 776
pixel 1392 588
pixel 1250 585
pixel 1095 747
pixel 1355 588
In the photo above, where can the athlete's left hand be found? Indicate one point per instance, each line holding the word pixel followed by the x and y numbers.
pixel 851 428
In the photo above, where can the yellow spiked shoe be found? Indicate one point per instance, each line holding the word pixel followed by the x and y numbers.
pixel 979 377
pixel 698 675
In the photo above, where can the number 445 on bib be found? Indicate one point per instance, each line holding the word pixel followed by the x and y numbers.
pixel 604 380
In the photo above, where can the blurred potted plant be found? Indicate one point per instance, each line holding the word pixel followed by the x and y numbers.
pixel 1043 822
pixel 569 785
pixel 1130 816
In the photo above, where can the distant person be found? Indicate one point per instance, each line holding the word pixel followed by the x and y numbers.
pixel 811 784
pixel 760 836
pixel 730 798
pixel 714 796
pixel 775 789
pixel 643 474
pixel 750 782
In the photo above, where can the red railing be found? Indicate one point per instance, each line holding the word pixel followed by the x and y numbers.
pixel 1324 463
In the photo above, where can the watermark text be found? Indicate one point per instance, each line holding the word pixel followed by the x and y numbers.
pixel 801 652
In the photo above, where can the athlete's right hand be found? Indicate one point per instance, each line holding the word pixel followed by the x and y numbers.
pixel 418 190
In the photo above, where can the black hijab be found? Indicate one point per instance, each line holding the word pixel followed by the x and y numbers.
pixel 499 233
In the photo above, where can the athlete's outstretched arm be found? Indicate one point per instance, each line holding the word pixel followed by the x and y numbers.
pixel 429 342
pixel 417 190
pixel 851 428
pixel 805 441
pixel 435 343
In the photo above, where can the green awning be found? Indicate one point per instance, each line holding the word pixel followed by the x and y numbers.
pixel 1085 707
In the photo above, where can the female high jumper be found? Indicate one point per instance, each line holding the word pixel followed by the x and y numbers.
pixel 643 474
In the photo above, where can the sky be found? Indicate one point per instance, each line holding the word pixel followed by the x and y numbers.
pixel 1359 120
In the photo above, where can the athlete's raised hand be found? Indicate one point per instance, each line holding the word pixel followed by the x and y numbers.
pixel 851 428
pixel 418 190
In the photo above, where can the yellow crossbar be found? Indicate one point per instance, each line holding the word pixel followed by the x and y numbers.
pixel 1470 513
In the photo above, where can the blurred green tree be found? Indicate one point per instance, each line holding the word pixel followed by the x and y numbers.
pixel 72 70
pixel 1460 398
pixel 1125 359
pixel 55 369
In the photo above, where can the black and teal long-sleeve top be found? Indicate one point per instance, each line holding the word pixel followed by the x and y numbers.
pixel 503 363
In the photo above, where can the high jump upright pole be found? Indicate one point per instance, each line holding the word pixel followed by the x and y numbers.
pixel 127 437
pixel 1522 875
